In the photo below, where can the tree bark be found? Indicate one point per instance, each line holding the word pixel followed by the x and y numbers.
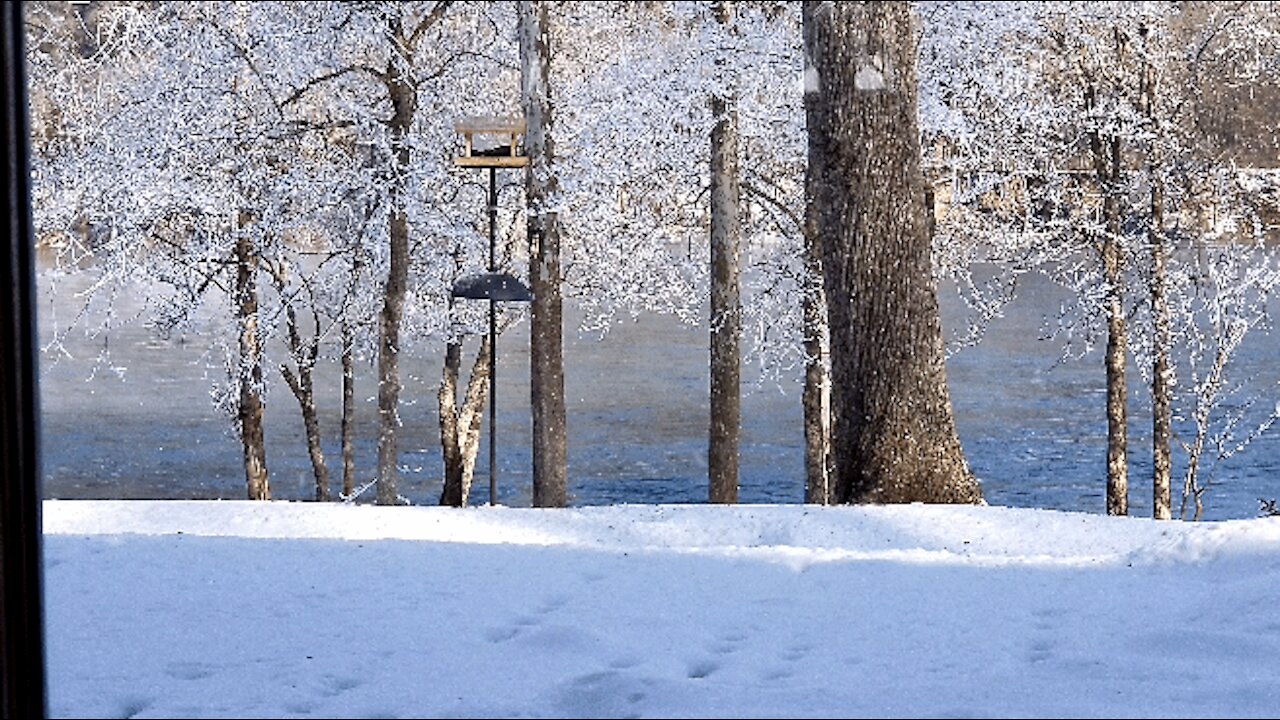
pixel 250 407
pixel 726 303
pixel 895 436
pixel 546 355
pixel 1161 385
pixel 1117 350
pixel 404 103
pixel 348 414
pixel 1106 153
pixel 302 385
pixel 460 426
pixel 816 395
pixel 1161 375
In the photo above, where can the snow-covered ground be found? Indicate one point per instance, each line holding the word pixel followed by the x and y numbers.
pixel 239 609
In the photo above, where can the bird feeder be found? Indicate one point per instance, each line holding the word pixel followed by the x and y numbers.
pixel 491 142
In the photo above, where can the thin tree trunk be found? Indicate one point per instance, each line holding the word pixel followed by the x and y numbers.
pixel 1161 385
pixel 546 355
pixel 460 426
pixel 816 396
pixel 895 436
pixel 250 408
pixel 1117 350
pixel 1106 155
pixel 446 406
pixel 303 388
pixel 726 303
pixel 348 414
pixel 403 103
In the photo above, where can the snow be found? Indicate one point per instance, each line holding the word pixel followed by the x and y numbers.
pixel 242 609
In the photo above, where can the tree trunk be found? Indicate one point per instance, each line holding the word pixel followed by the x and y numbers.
pixel 895 436
pixel 303 388
pixel 348 414
pixel 546 355
pixel 726 304
pixel 460 427
pixel 816 396
pixel 403 103
pixel 1161 376
pixel 1161 385
pixel 250 407
pixel 1117 345
pixel 1107 169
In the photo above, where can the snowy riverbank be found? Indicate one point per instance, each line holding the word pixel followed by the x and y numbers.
pixel 239 609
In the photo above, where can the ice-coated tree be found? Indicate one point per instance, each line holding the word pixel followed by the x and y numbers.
pixel 1071 139
pixel 895 437
pixel 169 163
pixel 341 162
pixel 639 226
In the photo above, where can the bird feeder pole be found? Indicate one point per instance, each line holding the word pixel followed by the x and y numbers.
pixel 495 286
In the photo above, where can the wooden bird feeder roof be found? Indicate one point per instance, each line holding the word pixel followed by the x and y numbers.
pixel 507 156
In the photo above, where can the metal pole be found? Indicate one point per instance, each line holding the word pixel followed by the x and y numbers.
pixel 493 345
pixel 22 656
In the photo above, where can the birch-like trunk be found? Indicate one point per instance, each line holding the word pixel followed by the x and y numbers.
pixel 460 426
pixel 546 354
pixel 895 436
pixel 250 405
pixel 726 302
pixel 1161 376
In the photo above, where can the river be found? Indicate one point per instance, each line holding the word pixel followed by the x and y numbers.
pixel 142 425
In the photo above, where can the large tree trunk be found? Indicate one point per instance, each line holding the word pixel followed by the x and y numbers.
pixel 546 354
pixel 250 406
pixel 726 304
pixel 403 103
pixel 460 426
pixel 895 437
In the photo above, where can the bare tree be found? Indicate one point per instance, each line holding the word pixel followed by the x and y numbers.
pixel 895 437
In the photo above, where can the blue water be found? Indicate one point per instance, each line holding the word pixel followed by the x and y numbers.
pixel 1033 429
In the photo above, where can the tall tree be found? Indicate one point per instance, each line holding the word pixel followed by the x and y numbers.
pixel 895 437
pixel 726 300
pixel 546 343
pixel 1161 361
pixel 1106 149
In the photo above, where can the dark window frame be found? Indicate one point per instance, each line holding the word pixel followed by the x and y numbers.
pixel 22 657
